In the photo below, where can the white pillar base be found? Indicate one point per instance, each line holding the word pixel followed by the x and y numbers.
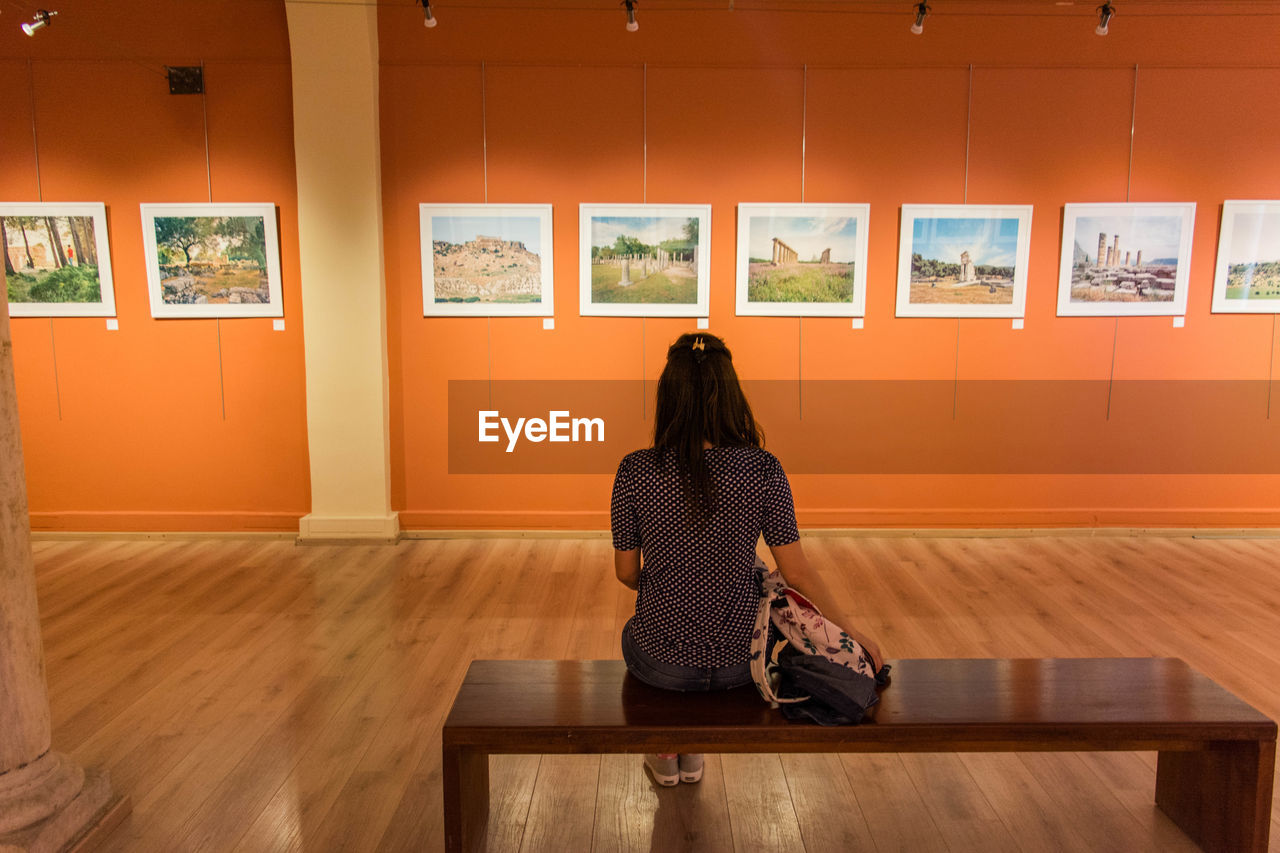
pixel 315 528
pixel 73 820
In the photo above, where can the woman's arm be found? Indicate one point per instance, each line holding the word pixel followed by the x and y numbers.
pixel 626 565
pixel 795 567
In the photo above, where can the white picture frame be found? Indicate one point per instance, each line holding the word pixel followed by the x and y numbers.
pixel 1249 238
pixel 787 252
pixel 973 260
pixel 1145 275
pixel 229 266
pixel 79 241
pixel 501 257
pixel 674 281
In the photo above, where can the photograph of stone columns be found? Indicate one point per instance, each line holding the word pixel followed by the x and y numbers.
pixel 1121 255
pixel 966 257
pixel 492 260
pixel 796 259
pixel 645 260
pixel 1247 278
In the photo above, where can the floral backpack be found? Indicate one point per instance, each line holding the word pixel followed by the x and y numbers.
pixel 805 629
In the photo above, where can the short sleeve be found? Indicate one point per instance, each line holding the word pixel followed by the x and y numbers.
pixel 622 511
pixel 778 516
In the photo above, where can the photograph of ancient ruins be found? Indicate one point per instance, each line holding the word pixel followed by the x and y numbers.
pixel 486 259
pixel 1247 278
pixel 798 259
pixel 645 260
pixel 212 260
pixel 53 262
pixel 1125 258
pixel 963 261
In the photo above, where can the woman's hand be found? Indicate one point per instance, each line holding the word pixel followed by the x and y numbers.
pixel 795 567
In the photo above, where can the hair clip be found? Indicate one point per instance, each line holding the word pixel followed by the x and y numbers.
pixel 699 344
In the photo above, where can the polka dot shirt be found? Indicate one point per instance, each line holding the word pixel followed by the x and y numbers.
pixel 698 592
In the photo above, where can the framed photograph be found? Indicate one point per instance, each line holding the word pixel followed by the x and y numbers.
pixel 1121 260
pixel 802 260
pixel 645 260
pixel 1247 279
pixel 486 260
pixel 57 259
pixel 963 260
pixel 212 260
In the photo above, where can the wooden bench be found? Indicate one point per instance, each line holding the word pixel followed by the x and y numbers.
pixel 1213 778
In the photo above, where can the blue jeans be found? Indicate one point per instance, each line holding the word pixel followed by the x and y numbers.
pixel 671 676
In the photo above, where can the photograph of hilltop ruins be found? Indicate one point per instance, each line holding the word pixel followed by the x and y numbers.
pixel 645 259
pixel 1125 258
pixel 1253 258
pixel 486 259
pixel 963 261
pixel 50 259
pixel 801 258
pixel 212 260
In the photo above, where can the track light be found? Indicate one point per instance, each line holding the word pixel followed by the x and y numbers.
pixel 41 19
pixel 1105 11
pixel 921 11
pixel 428 19
pixel 632 26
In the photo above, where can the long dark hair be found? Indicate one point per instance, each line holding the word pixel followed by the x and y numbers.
pixel 700 402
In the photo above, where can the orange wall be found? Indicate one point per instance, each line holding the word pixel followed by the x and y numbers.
pixel 140 440
pixel 558 99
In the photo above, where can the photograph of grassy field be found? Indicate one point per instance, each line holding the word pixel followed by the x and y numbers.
pixel 801 259
pixel 1120 259
pixel 645 260
pixel 212 260
pixel 53 262
pixel 1248 271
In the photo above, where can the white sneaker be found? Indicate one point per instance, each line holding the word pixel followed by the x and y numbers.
pixel 690 767
pixel 664 768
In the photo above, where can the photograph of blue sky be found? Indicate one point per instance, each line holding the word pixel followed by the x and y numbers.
pixel 650 230
pixel 1154 236
pixel 1255 237
pixel 464 229
pixel 992 242
pixel 808 235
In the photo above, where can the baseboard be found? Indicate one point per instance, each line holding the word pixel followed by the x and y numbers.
pixel 324 529
pixel 154 523
pixel 418 523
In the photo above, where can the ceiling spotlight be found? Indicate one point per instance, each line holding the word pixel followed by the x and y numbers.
pixel 41 19
pixel 1105 11
pixel 921 11
pixel 632 26
pixel 428 19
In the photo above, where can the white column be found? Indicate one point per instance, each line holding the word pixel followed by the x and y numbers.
pixel 334 49
pixel 46 799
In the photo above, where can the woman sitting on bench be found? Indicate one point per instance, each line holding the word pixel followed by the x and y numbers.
pixel 694 505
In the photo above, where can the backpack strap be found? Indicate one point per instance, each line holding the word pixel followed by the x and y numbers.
pixel 771 586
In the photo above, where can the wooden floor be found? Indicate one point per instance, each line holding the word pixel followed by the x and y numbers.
pixel 256 695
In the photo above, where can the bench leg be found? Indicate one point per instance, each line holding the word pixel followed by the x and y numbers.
pixel 466 797
pixel 1219 796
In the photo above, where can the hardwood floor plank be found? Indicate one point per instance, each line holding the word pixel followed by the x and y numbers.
pixel 825 806
pixel 562 809
pixel 896 813
pixel 760 810
pixel 957 805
